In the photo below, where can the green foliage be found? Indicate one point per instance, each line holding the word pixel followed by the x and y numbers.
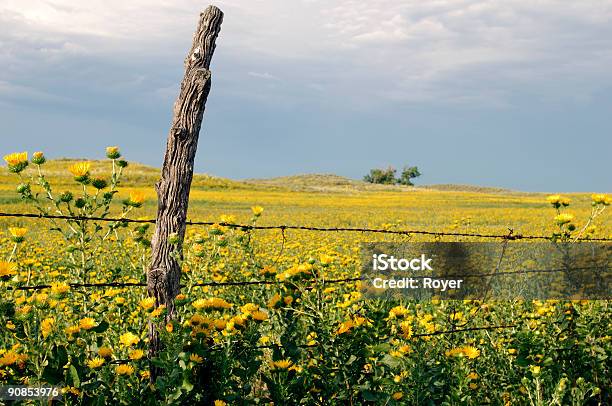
pixel 388 176
pixel 408 173
pixel 381 176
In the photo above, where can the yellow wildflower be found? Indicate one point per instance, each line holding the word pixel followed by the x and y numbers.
pixel 124 369
pixel 600 198
pixel 9 358
pixel 105 352
pixel 128 339
pixel 553 199
pixel 16 158
pixel 397 312
pixel 406 327
pixel 467 351
pixel 18 233
pixel 135 355
pixel 259 315
pixel 249 308
pixel 59 288
pixel 17 161
pixel 7 268
pixel 80 170
pixel 227 219
pixel 282 364
pixel 46 326
pixel 136 199
pixel 274 300
pixel 196 358
pixel 87 323
pixel 471 352
pixel 257 210
pixel 558 201
pixel 95 363
pixel 345 327
pixel 158 310
pixel 211 303
pixel 564 218
pixel 326 259
pixel 147 303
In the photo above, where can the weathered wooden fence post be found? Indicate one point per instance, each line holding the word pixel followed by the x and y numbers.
pixel 163 277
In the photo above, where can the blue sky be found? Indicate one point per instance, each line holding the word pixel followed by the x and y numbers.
pixel 512 93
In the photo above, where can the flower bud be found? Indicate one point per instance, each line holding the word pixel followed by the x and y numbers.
pixel 66 197
pixel 99 183
pixel 80 203
pixel 113 152
pixel 38 158
pixel 23 188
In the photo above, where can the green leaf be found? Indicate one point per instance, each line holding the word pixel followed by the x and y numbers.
pixel 187 386
pixel 522 361
pixel 369 396
pixel 52 376
pixel 74 376
pixel 384 347
pixel 102 327
pixel 390 361
pixel 351 359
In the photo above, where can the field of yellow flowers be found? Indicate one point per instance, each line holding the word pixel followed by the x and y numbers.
pixel 295 339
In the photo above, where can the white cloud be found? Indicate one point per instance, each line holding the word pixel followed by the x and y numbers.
pixel 264 75
pixel 396 50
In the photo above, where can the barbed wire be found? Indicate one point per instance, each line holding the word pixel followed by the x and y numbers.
pixel 509 236
pixel 202 284
pixel 421 335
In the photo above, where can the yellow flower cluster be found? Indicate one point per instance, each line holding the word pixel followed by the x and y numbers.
pixel 124 369
pixel 601 199
pixel 211 303
pixel 558 200
pixel 351 323
pixel 467 351
pixel 564 218
pixel 129 339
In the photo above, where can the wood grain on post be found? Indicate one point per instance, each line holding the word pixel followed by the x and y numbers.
pixel 163 277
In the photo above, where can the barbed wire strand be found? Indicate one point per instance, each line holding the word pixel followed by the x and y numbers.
pixel 297 227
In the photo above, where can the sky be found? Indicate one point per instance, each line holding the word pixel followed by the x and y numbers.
pixel 507 93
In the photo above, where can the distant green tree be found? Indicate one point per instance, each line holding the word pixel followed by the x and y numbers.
pixel 387 176
pixel 381 176
pixel 409 173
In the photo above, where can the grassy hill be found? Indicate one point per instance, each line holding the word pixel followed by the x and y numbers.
pixel 135 175
pixel 139 175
